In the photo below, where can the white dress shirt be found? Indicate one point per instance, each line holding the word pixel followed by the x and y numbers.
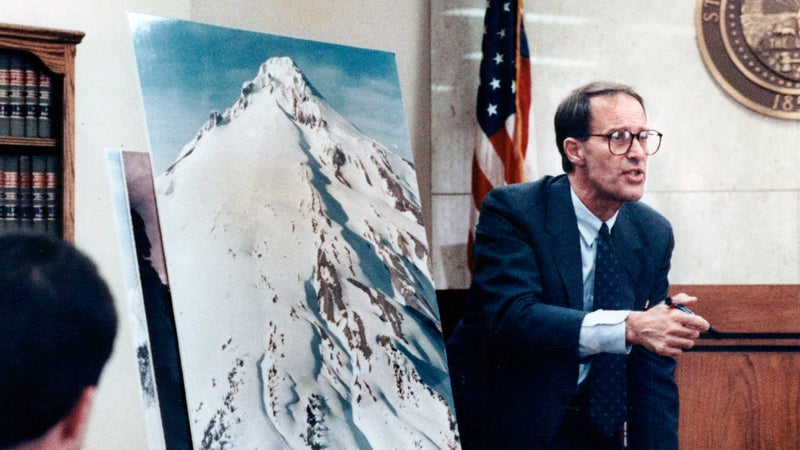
pixel 602 331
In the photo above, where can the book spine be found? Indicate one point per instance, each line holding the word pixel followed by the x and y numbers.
pixel 16 96
pixel 25 195
pixel 45 105
pixel 39 193
pixel 2 194
pixel 5 85
pixel 11 188
pixel 31 100
pixel 53 210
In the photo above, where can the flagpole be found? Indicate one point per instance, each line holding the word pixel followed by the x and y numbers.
pixel 519 144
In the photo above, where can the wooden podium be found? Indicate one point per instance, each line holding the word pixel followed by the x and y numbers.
pixel 741 388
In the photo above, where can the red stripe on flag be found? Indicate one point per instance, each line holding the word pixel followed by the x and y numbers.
pixel 480 184
pixel 523 112
pixel 503 144
pixel 480 187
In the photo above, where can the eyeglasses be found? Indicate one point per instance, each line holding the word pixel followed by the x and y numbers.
pixel 621 141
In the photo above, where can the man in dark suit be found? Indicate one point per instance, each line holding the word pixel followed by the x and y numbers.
pixel 526 358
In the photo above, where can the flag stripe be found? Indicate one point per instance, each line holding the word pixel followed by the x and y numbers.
pixel 491 159
pixel 521 99
pixel 523 113
pixel 480 182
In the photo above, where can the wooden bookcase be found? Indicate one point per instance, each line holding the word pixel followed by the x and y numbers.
pixel 49 53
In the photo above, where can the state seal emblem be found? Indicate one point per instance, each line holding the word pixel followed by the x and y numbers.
pixel 752 49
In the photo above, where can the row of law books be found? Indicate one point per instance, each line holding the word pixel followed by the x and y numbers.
pixel 29 194
pixel 25 96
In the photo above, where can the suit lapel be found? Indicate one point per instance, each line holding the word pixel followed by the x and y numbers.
pixel 628 244
pixel 563 230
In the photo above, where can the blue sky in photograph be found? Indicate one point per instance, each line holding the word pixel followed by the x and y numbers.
pixel 188 69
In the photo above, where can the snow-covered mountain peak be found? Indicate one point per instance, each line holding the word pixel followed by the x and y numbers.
pixel 283 80
pixel 296 244
pixel 280 78
pixel 282 71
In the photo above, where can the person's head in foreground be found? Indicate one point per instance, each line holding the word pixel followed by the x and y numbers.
pixel 57 329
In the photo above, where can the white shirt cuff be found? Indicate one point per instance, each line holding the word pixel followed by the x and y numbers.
pixel 603 332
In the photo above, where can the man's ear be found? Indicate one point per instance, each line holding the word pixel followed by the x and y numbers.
pixel 73 426
pixel 573 148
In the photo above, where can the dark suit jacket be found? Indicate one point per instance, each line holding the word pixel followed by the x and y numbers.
pixel 514 355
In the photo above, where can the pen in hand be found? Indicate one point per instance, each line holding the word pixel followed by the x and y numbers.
pixel 668 301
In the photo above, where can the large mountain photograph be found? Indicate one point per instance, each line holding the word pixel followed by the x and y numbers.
pixel 293 236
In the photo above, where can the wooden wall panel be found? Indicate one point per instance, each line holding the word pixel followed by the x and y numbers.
pixel 757 308
pixel 739 400
pixel 741 389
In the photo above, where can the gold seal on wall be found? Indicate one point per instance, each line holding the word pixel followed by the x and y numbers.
pixel 752 49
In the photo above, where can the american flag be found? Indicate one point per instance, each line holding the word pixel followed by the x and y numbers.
pixel 503 109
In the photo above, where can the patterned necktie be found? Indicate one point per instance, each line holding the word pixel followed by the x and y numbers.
pixel 607 376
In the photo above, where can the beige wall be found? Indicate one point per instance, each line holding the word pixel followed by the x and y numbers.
pixel 110 114
pixel 726 177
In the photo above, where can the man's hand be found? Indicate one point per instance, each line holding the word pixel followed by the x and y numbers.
pixel 665 330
